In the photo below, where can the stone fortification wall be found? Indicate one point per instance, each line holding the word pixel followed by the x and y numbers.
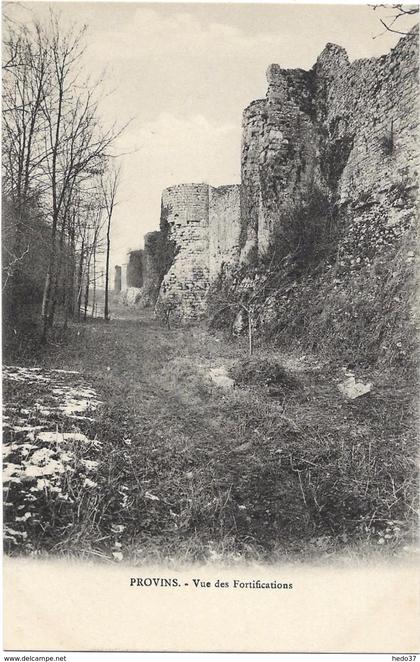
pixel 348 129
pixel 186 209
pixel 225 228
pixel 202 225
pixel 139 279
pixel 152 275
pixel 135 269
pixel 372 106
pixel 279 152
pixel 253 126
pixel 117 279
pixel 345 131
pixel 123 277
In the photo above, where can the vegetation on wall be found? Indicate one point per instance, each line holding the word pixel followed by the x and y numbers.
pixel 305 238
pixel 166 249
pixel 330 283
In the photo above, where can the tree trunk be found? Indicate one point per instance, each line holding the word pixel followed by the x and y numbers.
pixel 17 277
pixel 54 292
pixel 44 308
pixel 94 282
pixel 66 297
pixel 79 283
pixel 108 248
pixel 87 290
pixel 71 275
pixel 46 299
pixel 58 271
pixel 250 335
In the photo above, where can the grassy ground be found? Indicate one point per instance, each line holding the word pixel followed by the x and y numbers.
pixel 281 467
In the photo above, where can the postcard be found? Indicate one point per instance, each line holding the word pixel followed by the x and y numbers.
pixel 210 379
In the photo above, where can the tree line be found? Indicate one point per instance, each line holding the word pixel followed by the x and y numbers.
pixel 60 173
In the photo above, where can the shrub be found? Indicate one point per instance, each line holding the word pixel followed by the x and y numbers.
pixel 168 308
pixel 309 231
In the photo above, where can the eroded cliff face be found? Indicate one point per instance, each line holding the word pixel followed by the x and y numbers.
pixel 343 130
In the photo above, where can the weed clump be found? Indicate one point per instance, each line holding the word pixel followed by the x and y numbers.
pixel 257 371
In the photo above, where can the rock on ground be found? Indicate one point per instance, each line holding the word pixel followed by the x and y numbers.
pixel 220 377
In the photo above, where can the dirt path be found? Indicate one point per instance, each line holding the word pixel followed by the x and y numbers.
pixel 135 453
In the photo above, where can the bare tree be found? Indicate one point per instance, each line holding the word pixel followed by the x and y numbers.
pixel 9 268
pixel 25 85
pixel 55 155
pixel 393 20
pixel 109 185
pixel 92 247
pixel 76 144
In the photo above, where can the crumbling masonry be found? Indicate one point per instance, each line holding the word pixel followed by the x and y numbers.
pixel 348 129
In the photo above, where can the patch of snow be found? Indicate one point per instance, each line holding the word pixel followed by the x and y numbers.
pixel 22 374
pixel 61 437
pixel 73 406
pixel 41 484
pixel 23 449
pixel 66 372
pixel 23 518
pixel 12 533
pixel 77 400
pixel 51 469
pixel 40 409
pixel 10 471
pixel 89 464
pixel 42 456
pixel 26 428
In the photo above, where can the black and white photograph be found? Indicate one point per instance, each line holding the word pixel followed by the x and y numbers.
pixel 209 320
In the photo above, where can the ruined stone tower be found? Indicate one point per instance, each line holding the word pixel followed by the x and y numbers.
pixel 348 130
pixel 187 216
pixel 203 224
pixel 117 279
pixel 135 269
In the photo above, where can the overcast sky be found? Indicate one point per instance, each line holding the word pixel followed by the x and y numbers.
pixel 185 72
